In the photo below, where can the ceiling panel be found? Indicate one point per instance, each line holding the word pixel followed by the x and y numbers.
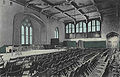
pixel 36 2
pixel 90 8
pixel 59 15
pixel 109 3
pixel 86 6
pixel 92 14
pixel 43 6
pixel 53 10
pixel 65 7
pixel 66 18
pixel 56 1
pixel 79 17
pixel 82 2
pixel 73 12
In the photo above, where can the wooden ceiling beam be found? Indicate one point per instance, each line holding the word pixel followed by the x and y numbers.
pixel 59 10
pixel 93 1
pixel 74 4
pixel 80 7
pixel 102 10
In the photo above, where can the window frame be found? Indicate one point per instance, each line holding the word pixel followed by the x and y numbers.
pixel 57 32
pixel 70 27
pixel 28 35
pixel 85 29
pixel 95 25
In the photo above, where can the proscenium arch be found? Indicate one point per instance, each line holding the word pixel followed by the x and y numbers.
pixel 33 16
pixel 112 40
pixel 111 34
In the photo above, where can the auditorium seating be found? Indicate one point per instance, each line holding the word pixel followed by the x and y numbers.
pixel 14 67
pixel 2 69
pixel 57 64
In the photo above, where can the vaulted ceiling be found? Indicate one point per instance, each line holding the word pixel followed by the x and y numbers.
pixel 72 10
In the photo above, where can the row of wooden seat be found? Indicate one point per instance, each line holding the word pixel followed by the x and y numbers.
pixel 52 64
pixel 60 62
pixel 86 69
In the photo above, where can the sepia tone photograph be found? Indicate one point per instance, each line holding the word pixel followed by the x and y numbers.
pixel 59 38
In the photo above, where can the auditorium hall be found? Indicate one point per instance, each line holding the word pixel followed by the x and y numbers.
pixel 59 38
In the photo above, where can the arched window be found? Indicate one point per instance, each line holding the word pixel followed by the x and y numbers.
pixel 70 28
pixel 81 27
pixel 26 32
pixel 84 27
pixel 56 32
pixel 77 28
pixel 30 35
pixel 67 26
pixel 22 35
pixel 93 26
pixel 89 27
pixel 73 28
pixel 98 25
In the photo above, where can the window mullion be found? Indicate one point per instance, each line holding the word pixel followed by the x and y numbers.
pixel 82 27
pixel 91 25
pixel 68 28
pixel 96 26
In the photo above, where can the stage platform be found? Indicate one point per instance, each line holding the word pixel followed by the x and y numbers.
pixel 7 56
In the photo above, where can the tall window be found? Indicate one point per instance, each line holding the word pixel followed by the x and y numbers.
pixel 73 28
pixel 70 28
pixel 80 27
pixel 26 32
pixel 84 27
pixel 30 35
pixel 77 28
pixel 94 26
pixel 89 27
pixel 56 32
pixel 67 28
pixel 98 25
pixel 22 34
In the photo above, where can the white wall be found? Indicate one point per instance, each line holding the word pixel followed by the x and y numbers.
pixel 109 24
pixel 7 14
